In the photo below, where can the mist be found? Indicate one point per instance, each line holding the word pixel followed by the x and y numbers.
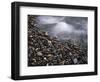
pixel 64 27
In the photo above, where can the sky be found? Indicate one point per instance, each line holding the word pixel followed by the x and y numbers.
pixel 64 27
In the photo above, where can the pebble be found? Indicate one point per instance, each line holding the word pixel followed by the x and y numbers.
pixel 33 48
pixel 49 55
pixel 34 60
pixel 47 64
pixel 39 54
pixel 36 49
pixel 70 53
pixel 49 42
pixel 75 60
pixel 62 62
pixel 46 33
pixel 45 58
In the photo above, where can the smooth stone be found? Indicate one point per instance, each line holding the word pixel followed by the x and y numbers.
pixel 39 54
pixel 70 54
pixel 62 62
pixel 47 64
pixel 45 58
pixel 75 60
pixel 46 33
pixel 49 42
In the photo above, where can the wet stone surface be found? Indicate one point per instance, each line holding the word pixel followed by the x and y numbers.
pixel 44 50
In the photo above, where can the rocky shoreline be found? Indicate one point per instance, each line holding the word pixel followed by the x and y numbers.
pixel 44 50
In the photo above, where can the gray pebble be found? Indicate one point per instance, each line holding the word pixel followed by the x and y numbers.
pixel 70 53
pixel 39 53
pixel 75 60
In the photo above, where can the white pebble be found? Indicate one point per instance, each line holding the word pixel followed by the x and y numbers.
pixel 75 60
